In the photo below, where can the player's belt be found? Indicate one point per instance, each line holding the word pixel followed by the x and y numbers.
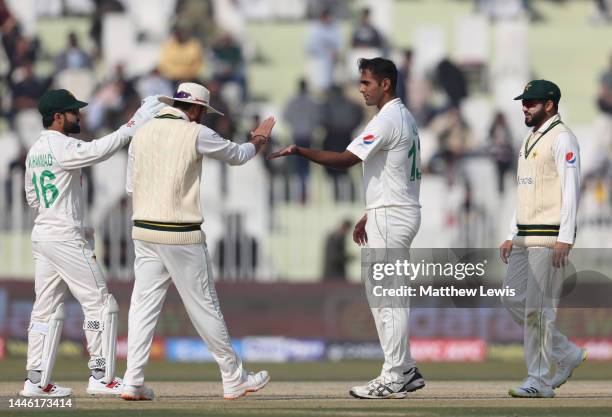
pixel 168 227
pixel 538 229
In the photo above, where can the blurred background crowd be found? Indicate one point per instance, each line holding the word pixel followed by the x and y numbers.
pixel 296 59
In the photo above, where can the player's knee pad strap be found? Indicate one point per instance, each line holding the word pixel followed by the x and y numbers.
pixel 93 325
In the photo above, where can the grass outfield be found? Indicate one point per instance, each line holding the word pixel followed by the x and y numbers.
pixel 321 389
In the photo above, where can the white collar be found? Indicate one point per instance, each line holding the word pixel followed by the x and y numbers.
pixel 389 104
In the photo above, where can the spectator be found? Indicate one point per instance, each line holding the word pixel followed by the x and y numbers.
pixel 228 64
pixel 153 84
pixel 403 78
pixel 236 251
pixel 181 57
pixel 340 117
pixel 365 35
pixel 500 148
pixel 74 57
pixel 451 79
pixel 323 45
pixel 102 7
pixel 224 125
pixel 112 100
pixel 27 90
pixel 604 100
pixel 197 17
pixel 16 169
pixel 335 256
pixel 454 141
pixel 303 114
pixel 602 13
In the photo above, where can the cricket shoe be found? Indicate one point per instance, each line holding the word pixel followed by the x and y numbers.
pixel 251 382
pixel 30 389
pixel 99 387
pixel 379 389
pixel 137 393
pixel 529 389
pixel 566 367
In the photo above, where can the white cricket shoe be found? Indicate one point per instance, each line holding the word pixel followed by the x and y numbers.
pixel 378 389
pixel 98 387
pixel 30 389
pixel 565 368
pixel 252 382
pixel 137 393
pixel 530 389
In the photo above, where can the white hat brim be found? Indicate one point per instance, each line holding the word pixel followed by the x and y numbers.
pixel 170 101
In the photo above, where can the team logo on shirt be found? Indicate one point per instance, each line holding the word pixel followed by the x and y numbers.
pixel 368 139
pixel 570 157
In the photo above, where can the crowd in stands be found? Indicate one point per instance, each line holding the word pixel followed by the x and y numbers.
pixel 324 111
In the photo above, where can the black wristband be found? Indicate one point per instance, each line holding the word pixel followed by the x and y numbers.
pixel 265 138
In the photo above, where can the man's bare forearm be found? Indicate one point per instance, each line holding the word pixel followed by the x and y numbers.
pixel 336 160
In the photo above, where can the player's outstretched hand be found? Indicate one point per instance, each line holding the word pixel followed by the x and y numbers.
pixel 289 150
pixel 504 250
pixel 360 236
pixel 264 129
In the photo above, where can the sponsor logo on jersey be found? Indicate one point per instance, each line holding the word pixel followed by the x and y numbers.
pixel 368 139
pixel 570 158
pixel 525 180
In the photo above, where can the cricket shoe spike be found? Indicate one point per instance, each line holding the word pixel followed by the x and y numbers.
pixel 98 387
pixel 413 380
pixel 529 389
pixel 30 389
pixel 137 393
pixel 251 382
pixel 565 368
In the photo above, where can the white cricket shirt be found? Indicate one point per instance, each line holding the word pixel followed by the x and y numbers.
pixel 53 180
pixel 390 150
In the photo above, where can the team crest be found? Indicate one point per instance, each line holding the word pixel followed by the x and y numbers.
pixel 527 87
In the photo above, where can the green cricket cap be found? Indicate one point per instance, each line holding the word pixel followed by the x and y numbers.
pixel 58 101
pixel 540 90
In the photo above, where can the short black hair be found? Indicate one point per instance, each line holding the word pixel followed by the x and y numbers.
pixel 48 120
pixel 380 68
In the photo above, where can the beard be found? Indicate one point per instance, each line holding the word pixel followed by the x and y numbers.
pixel 70 127
pixel 536 119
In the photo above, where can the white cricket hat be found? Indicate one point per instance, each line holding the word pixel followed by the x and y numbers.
pixel 191 93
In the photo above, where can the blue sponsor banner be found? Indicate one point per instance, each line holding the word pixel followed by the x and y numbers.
pixel 282 349
pixel 192 349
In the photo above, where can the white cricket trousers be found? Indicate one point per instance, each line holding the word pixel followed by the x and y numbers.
pixel 393 228
pixel 59 267
pixel 188 266
pixel 537 284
